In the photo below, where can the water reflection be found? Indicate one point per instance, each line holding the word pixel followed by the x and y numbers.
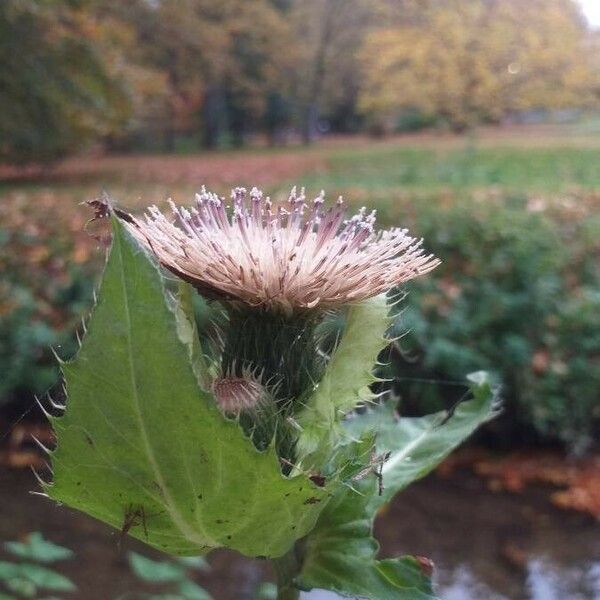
pixel 320 595
pixel 462 584
pixel 547 582
pixel 486 546
pixel 495 546
pixel 544 580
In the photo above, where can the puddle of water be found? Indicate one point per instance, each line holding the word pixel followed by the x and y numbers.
pixel 319 595
pixel 543 581
pixel 496 546
pixel 485 545
pixel 546 582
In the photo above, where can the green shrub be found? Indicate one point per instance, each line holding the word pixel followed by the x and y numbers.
pixel 32 572
pixel 46 279
pixel 518 294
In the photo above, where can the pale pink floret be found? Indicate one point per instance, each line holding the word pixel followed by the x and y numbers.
pixel 235 395
pixel 291 257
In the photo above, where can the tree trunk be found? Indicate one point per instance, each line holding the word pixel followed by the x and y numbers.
pixel 212 113
pixel 311 115
pixel 311 124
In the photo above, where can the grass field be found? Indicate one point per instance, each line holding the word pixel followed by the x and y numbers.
pixel 385 169
pixel 536 160
pixel 389 174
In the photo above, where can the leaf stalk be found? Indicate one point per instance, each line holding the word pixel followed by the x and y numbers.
pixel 287 568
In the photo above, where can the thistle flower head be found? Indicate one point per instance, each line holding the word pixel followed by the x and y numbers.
pixel 291 257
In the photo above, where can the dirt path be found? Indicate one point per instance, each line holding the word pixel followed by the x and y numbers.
pixel 261 168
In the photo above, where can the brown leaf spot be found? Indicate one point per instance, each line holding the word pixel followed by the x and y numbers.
pixel 318 480
pixel 312 500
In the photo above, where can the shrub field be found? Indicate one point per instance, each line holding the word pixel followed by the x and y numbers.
pixel 515 221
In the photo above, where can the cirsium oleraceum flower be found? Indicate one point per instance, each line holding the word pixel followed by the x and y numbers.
pixel 295 256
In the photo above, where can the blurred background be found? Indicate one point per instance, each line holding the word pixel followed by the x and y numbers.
pixel 475 123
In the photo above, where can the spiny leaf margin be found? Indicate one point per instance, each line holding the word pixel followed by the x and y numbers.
pixel 339 553
pixel 414 446
pixel 142 447
pixel 345 383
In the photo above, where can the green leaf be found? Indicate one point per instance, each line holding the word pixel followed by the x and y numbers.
pixel 416 445
pixel 37 548
pixel 340 556
pixel 26 577
pixel 8 570
pixel 194 562
pixel 155 571
pixel 340 551
pixel 22 586
pixel 345 382
pixel 46 578
pixel 191 591
pixel 144 449
pixel 183 308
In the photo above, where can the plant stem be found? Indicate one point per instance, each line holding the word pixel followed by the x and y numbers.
pixel 286 569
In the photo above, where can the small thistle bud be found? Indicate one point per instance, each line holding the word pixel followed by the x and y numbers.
pixel 236 395
pixel 246 399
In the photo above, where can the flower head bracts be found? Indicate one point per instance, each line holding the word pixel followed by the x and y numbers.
pixel 298 256
pixel 235 395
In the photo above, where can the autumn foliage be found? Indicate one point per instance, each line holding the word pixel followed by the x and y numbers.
pixel 471 62
pixel 173 75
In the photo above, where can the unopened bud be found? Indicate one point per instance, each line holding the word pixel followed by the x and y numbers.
pixel 235 395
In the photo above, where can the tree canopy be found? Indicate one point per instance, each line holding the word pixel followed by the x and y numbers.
pixel 60 85
pixel 479 61
pixel 145 74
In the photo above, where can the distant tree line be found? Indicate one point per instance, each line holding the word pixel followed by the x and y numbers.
pixel 156 74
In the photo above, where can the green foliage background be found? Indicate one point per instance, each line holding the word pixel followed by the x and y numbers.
pixel 175 75
pixel 59 91
pixel 515 224
pixel 518 295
